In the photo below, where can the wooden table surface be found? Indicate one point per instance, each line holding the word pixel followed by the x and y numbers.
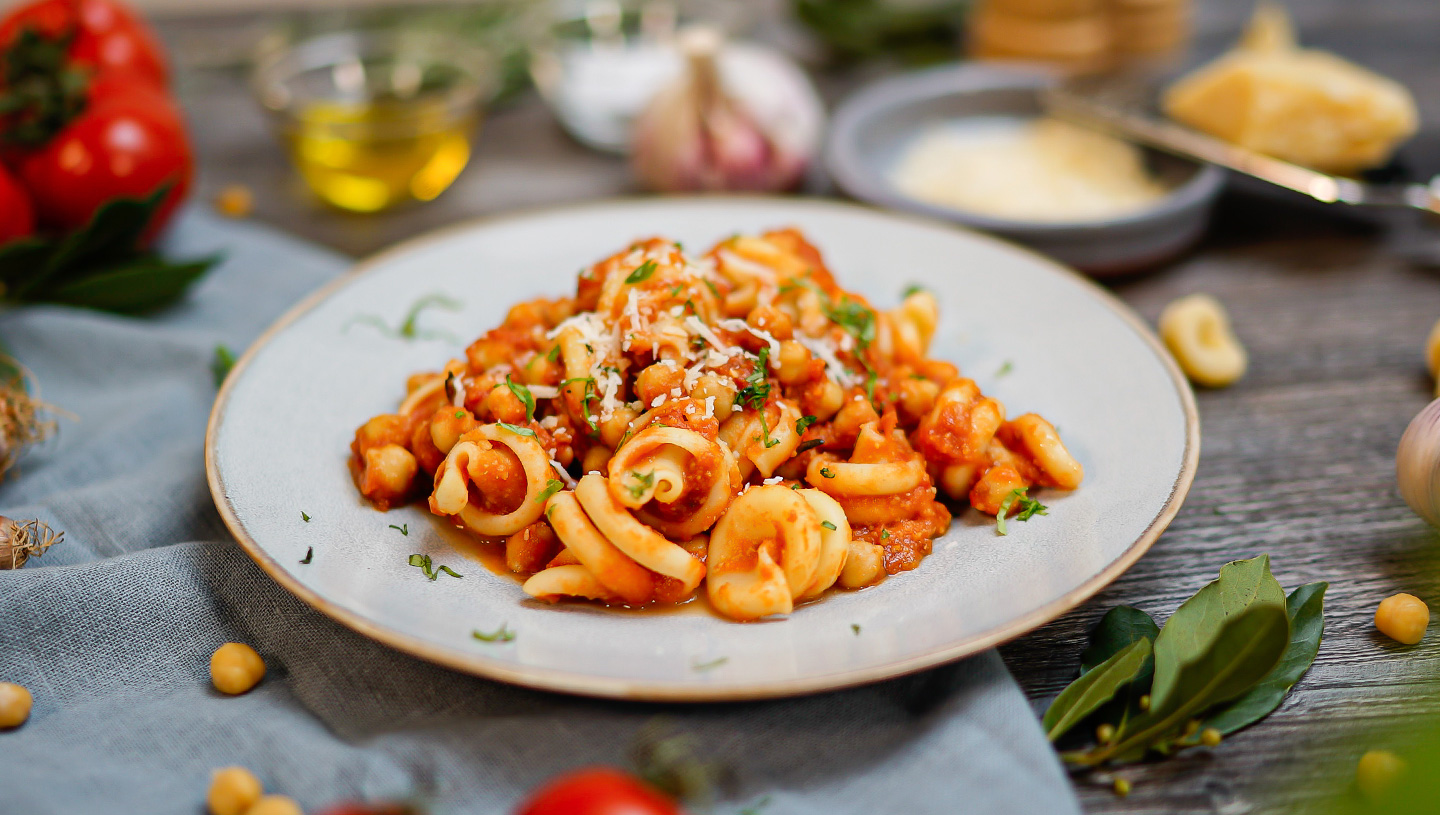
pixel 1297 459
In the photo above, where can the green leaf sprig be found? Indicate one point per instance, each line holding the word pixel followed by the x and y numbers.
pixel 1224 660
pixel 423 563
pixel 409 328
pixel 1029 508
pixel 101 265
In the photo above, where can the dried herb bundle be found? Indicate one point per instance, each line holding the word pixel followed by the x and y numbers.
pixel 22 416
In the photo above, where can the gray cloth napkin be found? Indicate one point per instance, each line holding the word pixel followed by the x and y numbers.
pixel 112 630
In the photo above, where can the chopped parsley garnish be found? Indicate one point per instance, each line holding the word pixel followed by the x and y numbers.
pixel 459 414
pixel 765 430
pixel 856 628
pixel 854 317
pixel 884 533
pixel 808 444
pixel 711 665
pixel 551 487
pixel 913 288
pixel 870 387
pixel 642 273
pixel 676 289
pixel 502 634
pixel 643 482
pixel 828 525
pixel 424 564
pixel 409 327
pixel 585 398
pixel 404 530
pixel 1029 508
pixel 826 472
pixel 1004 369
pixel 804 422
pixel 304 517
pixel 524 395
pixel 757 387
pixel 224 361
pixel 309 555
pixel 517 429
pixel 553 354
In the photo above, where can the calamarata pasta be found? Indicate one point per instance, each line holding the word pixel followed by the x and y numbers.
pixel 735 422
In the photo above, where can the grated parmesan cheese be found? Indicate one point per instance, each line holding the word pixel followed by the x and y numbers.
pixel 544 391
pixel 740 325
pixel 821 348
pixel 709 406
pixel 773 480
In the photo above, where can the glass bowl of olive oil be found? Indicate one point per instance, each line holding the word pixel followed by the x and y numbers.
pixel 375 119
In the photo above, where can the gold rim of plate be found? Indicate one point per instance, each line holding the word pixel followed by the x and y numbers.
pixel 613 688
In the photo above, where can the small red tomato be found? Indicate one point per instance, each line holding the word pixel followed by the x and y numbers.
pixel 17 216
pixel 597 791
pixel 125 144
pixel 109 36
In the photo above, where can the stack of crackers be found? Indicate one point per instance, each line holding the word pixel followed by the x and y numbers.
pixel 1079 35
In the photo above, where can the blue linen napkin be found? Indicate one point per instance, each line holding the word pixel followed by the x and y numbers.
pixel 113 629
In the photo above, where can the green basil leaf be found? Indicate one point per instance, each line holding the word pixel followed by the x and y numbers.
pixel 142 284
pixel 1119 627
pixel 1305 607
pixel 1191 632
pixel 113 234
pixel 1094 688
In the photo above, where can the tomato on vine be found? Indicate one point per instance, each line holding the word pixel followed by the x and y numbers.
pixel 17 216
pixel 598 791
pixel 104 36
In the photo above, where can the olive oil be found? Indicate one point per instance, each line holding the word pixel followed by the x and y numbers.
pixel 369 156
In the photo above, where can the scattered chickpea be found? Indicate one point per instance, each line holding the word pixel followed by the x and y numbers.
pixel 1122 787
pixel 235 201
pixel 1210 737
pixel 1377 772
pixel 233 791
pixel 15 702
pixel 1403 618
pixel 1104 733
pixel 236 668
pixel 275 805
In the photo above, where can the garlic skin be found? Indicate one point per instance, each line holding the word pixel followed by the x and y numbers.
pixel 1417 464
pixel 745 120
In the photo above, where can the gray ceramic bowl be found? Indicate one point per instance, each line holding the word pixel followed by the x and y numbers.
pixel 874 126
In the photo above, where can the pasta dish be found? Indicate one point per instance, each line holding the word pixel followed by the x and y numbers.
pixel 734 419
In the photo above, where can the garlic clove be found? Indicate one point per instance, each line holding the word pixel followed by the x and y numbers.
pixel 1417 464
pixel 741 120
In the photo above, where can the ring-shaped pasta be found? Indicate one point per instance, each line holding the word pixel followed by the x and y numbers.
pixel 834 542
pixel 670 465
pixel 845 478
pixel 641 543
pixel 452 482
pixel 619 574
pixel 763 553
pixel 557 582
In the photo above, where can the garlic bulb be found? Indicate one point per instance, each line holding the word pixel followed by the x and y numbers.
pixel 746 120
pixel 1417 464
pixel 19 541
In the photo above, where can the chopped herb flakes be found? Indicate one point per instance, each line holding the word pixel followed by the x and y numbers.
pixel 409 326
pixel 404 529
pixel 459 414
pixel 856 628
pixel 913 288
pixel 553 354
pixel 828 525
pixel 708 666
pixel 224 361
pixel 423 563
pixel 1029 508
pixel 642 273
pixel 551 487
pixel 524 395
pixel 804 422
pixel 517 429
pixel 1004 369
pixel 884 533
pixel 643 482
pixel 826 472
pixel 757 387
pixel 304 517
pixel 309 555
pixel 502 634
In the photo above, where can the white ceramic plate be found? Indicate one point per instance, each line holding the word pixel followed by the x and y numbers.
pixel 281 427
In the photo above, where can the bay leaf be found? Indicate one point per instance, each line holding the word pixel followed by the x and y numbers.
pixel 140 285
pixel 1094 688
pixel 1194 628
pixel 1119 627
pixel 1246 648
pixel 1305 608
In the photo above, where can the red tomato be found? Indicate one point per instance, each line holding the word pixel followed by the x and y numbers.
pixel 597 791
pixel 125 144
pixel 108 36
pixel 17 216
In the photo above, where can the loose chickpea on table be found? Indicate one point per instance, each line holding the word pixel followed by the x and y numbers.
pixel 235 668
pixel 1403 618
pixel 15 702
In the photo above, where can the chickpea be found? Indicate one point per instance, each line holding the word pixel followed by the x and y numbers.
pixel 772 320
pixel 794 362
pixel 612 430
pixel 233 790
pixel 236 668
pixel 275 805
pixel 235 201
pixel 596 459
pixel 723 391
pixel 504 405
pixel 657 380
pixel 1403 618
pixel 1196 329
pixel 15 702
pixel 1377 772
